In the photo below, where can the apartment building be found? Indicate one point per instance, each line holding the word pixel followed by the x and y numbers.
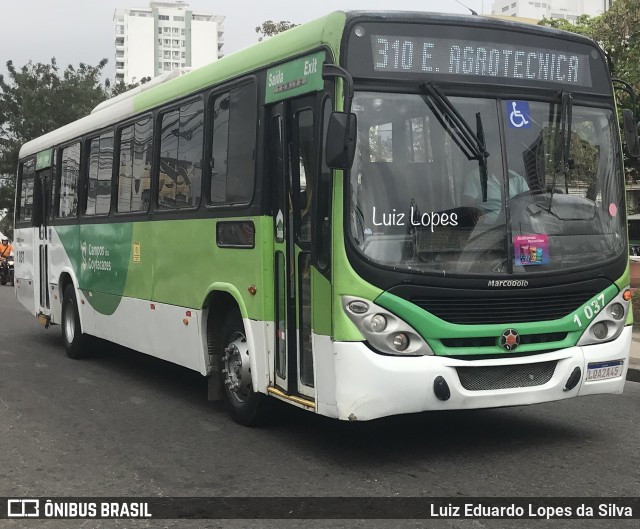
pixel 163 37
pixel 538 9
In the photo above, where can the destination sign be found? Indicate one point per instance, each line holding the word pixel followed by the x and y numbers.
pixel 479 59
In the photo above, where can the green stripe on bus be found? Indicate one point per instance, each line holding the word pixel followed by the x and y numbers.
pixel 433 329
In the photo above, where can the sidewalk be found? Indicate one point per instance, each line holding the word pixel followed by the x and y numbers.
pixel 634 360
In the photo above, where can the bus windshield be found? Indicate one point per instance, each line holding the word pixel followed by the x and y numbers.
pixel 419 203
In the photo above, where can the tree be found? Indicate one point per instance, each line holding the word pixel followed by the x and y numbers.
pixel 6 206
pixel 121 87
pixel 270 28
pixel 617 32
pixel 38 98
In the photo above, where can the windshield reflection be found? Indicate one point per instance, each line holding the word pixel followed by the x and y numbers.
pixel 417 200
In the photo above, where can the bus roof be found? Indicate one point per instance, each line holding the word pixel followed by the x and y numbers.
pixel 325 31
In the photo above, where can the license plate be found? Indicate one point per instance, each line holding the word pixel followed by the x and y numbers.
pixel 604 370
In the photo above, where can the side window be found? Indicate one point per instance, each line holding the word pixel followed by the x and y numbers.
pixel 220 149
pixel 234 139
pixel 100 168
pixel 181 143
pixel 134 179
pixel 307 170
pixel 26 190
pixel 69 175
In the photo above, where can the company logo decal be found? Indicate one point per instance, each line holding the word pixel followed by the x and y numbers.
pixel 95 258
pixel 510 340
pixel 508 283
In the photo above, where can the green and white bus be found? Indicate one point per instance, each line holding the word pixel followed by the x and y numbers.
pixel 369 214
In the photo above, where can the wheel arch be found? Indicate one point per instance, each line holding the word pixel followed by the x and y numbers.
pixel 222 298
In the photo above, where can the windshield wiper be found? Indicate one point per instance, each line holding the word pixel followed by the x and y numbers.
pixel 562 146
pixel 471 143
pixel 484 171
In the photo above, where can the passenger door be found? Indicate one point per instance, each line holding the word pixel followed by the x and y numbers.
pixel 294 169
pixel 42 195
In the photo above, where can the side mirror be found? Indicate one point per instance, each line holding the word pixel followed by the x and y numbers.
pixel 340 146
pixel 630 129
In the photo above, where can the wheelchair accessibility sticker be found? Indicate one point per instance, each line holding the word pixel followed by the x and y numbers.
pixel 518 112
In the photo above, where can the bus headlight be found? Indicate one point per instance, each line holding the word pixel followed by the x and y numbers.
pixel 400 341
pixel 617 311
pixel 384 331
pixel 608 323
pixel 600 330
pixel 378 323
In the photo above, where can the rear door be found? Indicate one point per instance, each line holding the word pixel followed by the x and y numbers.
pixel 42 199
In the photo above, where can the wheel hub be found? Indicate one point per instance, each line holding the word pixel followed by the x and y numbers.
pixel 236 369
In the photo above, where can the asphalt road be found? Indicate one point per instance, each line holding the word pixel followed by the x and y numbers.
pixel 124 424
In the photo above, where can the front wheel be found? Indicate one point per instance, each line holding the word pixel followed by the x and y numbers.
pixel 229 347
pixel 75 342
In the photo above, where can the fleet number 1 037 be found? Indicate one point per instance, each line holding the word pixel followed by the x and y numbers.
pixel 590 310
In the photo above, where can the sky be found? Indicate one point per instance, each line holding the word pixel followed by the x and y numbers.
pixel 75 31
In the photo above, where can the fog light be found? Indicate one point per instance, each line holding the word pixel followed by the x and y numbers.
pixel 441 388
pixel 617 311
pixel 358 307
pixel 378 323
pixel 573 379
pixel 401 341
pixel 600 330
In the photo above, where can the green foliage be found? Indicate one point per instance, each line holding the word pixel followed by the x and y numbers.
pixel 617 31
pixel 270 28
pixel 122 87
pixel 582 26
pixel 6 202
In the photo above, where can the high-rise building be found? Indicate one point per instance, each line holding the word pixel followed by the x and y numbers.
pixel 538 9
pixel 162 37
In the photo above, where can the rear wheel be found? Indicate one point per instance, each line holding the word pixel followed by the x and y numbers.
pixel 230 350
pixel 75 342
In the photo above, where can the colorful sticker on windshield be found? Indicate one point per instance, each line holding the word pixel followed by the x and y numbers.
pixel 518 112
pixel 531 249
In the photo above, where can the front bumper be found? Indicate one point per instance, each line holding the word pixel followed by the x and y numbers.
pixel 369 385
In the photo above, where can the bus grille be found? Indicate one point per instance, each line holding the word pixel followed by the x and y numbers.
pixel 488 341
pixel 506 377
pixel 476 311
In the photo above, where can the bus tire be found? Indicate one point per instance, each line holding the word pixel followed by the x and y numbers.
pixel 229 349
pixel 75 342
